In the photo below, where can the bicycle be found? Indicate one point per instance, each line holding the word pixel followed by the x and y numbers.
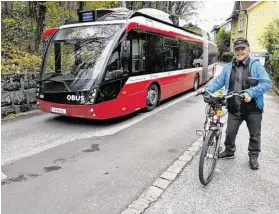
pixel 212 133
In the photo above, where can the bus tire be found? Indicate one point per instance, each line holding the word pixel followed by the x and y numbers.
pixel 196 83
pixel 152 97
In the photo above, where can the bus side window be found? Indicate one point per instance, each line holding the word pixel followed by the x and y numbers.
pixel 114 69
pixel 192 56
pixel 182 55
pixel 155 54
pixel 138 53
pixel 198 55
pixel 187 54
pixel 212 54
pixel 170 54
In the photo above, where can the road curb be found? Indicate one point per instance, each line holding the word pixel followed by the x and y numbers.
pixel 22 115
pixel 152 193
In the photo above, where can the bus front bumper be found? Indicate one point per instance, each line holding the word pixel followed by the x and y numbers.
pixel 101 111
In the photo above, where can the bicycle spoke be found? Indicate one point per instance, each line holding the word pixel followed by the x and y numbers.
pixel 209 161
pixel 208 158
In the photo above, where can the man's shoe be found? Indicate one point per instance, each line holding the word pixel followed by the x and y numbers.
pixel 254 164
pixel 226 155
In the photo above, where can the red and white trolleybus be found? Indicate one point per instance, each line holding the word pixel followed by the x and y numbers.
pixel 109 65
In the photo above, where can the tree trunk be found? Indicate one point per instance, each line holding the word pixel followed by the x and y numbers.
pixel 42 9
pixel 131 5
pixel 81 5
pixel 170 6
pixel 149 4
pixel 158 5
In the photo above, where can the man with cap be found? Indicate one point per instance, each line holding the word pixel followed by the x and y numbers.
pixel 233 78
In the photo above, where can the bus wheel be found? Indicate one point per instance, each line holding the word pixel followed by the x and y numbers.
pixel 196 83
pixel 152 97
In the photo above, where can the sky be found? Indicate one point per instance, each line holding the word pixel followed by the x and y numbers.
pixel 213 13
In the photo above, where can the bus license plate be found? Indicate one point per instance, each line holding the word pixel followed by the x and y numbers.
pixel 58 110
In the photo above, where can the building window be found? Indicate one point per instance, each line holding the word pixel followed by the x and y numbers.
pixel 241 23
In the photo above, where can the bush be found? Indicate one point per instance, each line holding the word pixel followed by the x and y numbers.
pixel 223 41
pixel 270 41
pixel 19 61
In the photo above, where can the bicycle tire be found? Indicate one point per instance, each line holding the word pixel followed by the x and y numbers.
pixel 208 140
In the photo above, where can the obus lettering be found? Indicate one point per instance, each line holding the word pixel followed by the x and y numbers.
pixel 75 97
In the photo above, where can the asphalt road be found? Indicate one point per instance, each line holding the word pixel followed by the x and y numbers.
pixel 33 134
pixel 61 165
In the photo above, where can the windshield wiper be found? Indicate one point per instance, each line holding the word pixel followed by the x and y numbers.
pixel 51 80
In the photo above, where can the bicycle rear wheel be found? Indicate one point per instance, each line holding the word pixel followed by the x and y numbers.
pixel 208 157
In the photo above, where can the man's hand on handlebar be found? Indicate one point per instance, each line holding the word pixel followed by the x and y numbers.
pixel 200 91
pixel 247 97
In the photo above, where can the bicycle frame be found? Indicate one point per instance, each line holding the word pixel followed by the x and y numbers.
pixel 218 129
pixel 212 133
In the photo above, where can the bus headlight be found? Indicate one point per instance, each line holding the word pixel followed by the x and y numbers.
pixel 92 96
pixel 38 90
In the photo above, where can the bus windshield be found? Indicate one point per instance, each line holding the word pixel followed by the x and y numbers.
pixel 75 56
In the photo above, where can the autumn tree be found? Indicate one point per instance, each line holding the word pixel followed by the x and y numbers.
pixel 22 24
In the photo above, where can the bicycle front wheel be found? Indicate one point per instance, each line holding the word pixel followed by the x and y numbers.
pixel 208 157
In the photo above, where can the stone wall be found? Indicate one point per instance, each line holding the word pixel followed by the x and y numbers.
pixel 18 93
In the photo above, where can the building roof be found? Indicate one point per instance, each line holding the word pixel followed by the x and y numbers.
pixel 242 5
pixel 246 4
pixel 216 27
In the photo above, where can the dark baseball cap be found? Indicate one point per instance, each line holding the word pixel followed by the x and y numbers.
pixel 240 42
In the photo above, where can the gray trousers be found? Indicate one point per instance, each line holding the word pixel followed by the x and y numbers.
pixel 253 121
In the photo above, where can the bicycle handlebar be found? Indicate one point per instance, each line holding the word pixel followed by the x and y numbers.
pixel 231 94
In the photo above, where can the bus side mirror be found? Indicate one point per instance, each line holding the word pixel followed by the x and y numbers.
pixel 125 49
pixel 125 55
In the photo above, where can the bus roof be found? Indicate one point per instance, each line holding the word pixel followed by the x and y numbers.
pixel 159 19
pixel 93 23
